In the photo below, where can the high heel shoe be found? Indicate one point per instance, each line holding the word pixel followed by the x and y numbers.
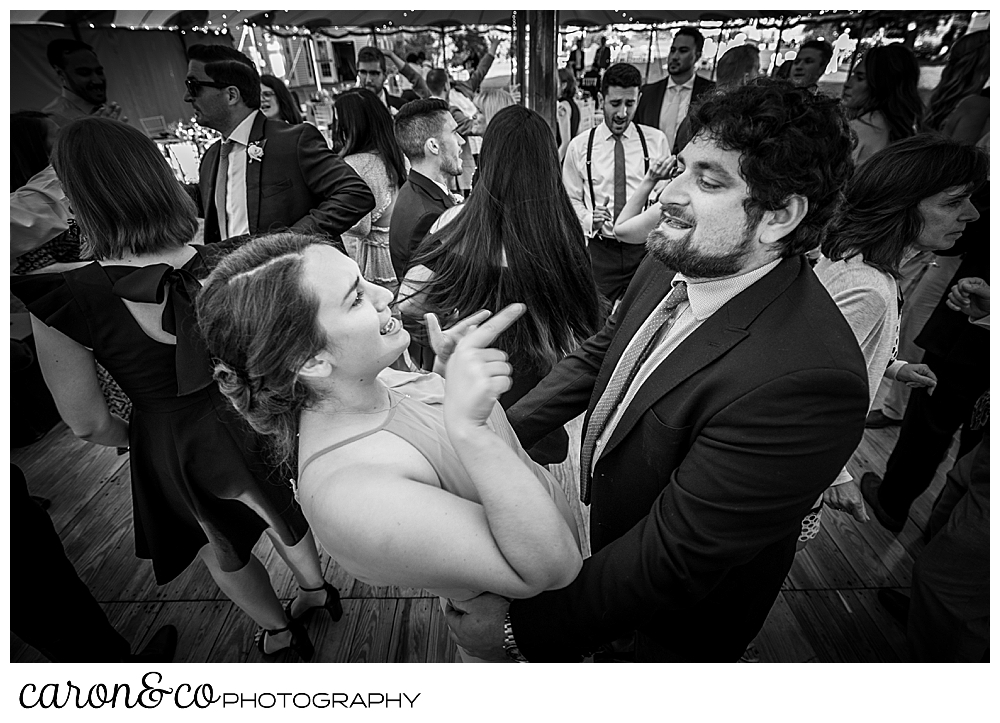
pixel 332 604
pixel 300 642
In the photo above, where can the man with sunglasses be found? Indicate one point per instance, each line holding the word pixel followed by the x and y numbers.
pixel 264 175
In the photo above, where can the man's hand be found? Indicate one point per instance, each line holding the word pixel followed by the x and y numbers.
pixel 971 296
pixel 847 498
pixel 110 110
pixel 917 375
pixel 601 216
pixel 494 44
pixel 477 625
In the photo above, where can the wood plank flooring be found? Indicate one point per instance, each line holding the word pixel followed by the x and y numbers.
pixel 826 612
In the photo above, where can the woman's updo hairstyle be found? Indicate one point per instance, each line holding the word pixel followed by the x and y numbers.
pixel 259 325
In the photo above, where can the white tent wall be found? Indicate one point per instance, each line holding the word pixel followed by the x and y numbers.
pixel 145 68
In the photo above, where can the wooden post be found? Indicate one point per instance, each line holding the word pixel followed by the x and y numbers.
pixel 542 80
pixel 520 59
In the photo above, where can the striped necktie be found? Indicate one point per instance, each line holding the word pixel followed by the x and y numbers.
pixel 221 189
pixel 637 352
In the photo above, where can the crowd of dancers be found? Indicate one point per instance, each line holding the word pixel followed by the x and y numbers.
pixel 718 276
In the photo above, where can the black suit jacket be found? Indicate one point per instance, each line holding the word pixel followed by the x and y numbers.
pixel 698 498
pixel 299 184
pixel 419 203
pixel 648 110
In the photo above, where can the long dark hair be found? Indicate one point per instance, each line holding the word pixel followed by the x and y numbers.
pixel 892 73
pixel 288 109
pixel 516 239
pixel 124 195
pixel 880 217
pixel 965 73
pixel 569 95
pixel 259 325
pixel 29 152
pixel 365 126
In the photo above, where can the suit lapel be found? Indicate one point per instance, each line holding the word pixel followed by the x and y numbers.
pixel 253 175
pixel 713 339
pixel 430 188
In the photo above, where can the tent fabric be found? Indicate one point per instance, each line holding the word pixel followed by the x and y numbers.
pixel 145 69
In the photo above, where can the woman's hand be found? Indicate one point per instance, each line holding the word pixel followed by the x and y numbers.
pixel 443 343
pixel 847 498
pixel 917 375
pixel 971 296
pixel 661 169
pixel 478 374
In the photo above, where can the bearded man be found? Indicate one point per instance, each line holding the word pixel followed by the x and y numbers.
pixel 722 397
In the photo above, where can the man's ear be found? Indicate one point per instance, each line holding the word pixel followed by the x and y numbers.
pixel 317 366
pixel 777 224
pixel 233 95
pixel 432 146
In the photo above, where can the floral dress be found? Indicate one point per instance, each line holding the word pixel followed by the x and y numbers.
pixel 367 241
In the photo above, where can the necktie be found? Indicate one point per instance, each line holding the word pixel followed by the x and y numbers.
pixel 619 176
pixel 668 123
pixel 636 353
pixel 221 186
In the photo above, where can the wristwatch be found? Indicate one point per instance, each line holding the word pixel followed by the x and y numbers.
pixel 510 648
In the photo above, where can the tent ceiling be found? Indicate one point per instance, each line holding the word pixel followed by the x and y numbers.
pixel 391 18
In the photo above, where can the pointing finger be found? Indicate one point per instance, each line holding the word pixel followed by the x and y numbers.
pixel 484 335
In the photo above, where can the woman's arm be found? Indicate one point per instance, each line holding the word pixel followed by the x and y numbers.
pixel 410 290
pixel 634 223
pixel 68 369
pixel 563 119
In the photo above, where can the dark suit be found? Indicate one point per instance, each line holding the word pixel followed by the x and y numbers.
pixel 648 110
pixel 299 184
pixel 419 203
pixel 699 495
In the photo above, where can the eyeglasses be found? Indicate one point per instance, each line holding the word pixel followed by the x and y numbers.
pixel 267 94
pixel 194 86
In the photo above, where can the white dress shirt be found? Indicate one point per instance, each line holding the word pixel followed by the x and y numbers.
pixel 705 297
pixel 603 169
pixel 669 122
pixel 39 211
pixel 237 215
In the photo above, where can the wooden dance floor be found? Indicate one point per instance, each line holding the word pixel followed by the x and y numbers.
pixel 827 610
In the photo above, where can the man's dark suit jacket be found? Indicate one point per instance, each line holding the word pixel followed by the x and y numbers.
pixel 699 496
pixel 419 203
pixel 298 185
pixel 648 110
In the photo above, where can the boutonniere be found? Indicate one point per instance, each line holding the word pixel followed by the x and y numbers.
pixel 255 151
pixel 458 198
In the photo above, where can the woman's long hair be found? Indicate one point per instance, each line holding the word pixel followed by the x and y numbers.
pixel 29 151
pixel 892 74
pixel 569 95
pixel 966 73
pixel 288 109
pixel 365 126
pixel 123 193
pixel 259 325
pixel 517 239
pixel 880 217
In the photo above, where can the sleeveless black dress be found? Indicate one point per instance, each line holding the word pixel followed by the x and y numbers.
pixel 191 455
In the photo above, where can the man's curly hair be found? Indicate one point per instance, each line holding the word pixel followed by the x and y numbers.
pixel 790 142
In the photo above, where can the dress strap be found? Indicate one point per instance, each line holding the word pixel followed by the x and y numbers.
pixel 343 443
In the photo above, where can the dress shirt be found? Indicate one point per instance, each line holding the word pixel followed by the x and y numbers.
pixel 603 169
pixel 236 189
pixel 668 125
pixel 39 211
pixel 68 106
pixel 705 297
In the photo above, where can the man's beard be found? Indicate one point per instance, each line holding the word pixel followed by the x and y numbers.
pixel 681 256
pixel 453 169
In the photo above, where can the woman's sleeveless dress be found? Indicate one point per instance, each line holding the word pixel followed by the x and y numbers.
pixel 191 455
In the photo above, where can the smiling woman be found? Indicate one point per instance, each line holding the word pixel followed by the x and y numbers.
pixel 302 343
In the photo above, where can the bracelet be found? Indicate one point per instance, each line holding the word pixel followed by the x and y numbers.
pixel 509 644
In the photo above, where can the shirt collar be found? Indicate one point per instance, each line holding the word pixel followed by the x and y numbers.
pixel 241 133
pixel 626 134
pixel 688 84
pixel 77 102
pixel 709 295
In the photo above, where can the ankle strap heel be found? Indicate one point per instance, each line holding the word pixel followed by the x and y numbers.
pixel 300 642
pixel 332 605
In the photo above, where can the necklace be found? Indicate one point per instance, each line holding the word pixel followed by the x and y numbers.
pixel 338 412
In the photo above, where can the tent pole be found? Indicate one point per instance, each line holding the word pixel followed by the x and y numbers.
pixel 857 45
pixel 649 55
pixel 315 65
pixel 542 81
pixel 777 46
pixel 718 45
pixel 444 54
pixel 522 54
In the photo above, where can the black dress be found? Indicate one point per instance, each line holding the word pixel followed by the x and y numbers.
pixel 191 454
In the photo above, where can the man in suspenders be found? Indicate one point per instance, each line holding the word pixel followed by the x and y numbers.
pixel 603 168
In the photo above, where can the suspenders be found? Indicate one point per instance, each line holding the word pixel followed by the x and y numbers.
pixel 590 153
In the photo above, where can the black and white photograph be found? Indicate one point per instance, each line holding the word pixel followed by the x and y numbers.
pixel 496 336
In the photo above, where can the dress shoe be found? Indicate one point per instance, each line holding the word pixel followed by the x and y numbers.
pixel 870 483
pixel 877 420
pixel 160 648
pixel 896 604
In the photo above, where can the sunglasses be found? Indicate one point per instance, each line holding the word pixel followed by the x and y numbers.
pixel 194 86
